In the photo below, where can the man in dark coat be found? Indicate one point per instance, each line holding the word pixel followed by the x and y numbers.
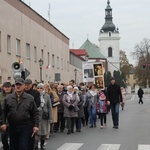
pixel 114 96
pixel 22 114
pixel 140 94
pixel 36 95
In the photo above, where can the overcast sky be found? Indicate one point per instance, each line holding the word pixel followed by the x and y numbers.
pixel 82 19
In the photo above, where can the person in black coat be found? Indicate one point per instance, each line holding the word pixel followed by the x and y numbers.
pixel 36 96
pixel 114 96
pixel 140 94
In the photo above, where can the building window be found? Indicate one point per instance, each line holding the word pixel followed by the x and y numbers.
pixel 27 50
pixel 42 54
pixel 62 64
pixel 67 65
pixel 0 40
pixel 53 60
pixel 18 47
pixel 35 54
pixel 109 33
pixel 8 44
pixel 48 58
pixel 110 52
pixel 57 62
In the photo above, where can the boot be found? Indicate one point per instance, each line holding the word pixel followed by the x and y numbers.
pixel 36 145
pixel 42 144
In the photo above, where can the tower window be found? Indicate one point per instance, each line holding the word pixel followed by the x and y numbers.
pixel 109 52
pixel 109 33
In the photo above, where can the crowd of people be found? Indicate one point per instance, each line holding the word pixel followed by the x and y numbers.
pixel 31 112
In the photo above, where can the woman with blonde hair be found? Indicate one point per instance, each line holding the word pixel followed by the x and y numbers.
pixel 54 98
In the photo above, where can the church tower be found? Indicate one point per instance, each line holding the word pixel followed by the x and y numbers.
pixel 109 41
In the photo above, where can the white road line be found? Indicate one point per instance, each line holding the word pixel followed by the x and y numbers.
pixel 70 146
pixel 143 147
pixel 109 147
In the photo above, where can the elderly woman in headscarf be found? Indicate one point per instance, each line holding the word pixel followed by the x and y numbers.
pixel 45 114
pixel 70 101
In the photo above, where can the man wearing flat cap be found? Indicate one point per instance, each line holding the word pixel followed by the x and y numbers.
pixel 7 89
pixel 22 114
pixel 114 96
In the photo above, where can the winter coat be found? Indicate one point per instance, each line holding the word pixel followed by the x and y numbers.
pixel 20 114
pixel 36 96
pixel 67 101
pixel 54 109
pixel 140 93
pixel 80 105
pixel 44 125
pixel 61 105
pixel 114 94
pixel 102 106
pixel 91 99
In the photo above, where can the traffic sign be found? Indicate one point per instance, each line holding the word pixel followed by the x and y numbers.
pixel 27 73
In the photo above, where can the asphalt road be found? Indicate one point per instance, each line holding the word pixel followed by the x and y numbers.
pixel 133 132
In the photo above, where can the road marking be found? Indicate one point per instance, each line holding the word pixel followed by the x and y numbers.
pixel 143 147
pixel 70 146
pixel 109 147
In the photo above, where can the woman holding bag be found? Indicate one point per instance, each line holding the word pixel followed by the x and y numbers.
pixel 45 111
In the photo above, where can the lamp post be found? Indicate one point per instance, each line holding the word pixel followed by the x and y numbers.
pixel 40 64
pixel 75 73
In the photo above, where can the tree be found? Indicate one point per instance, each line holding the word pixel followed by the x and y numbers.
pixel 142 55
pixel 125 66
pixel 107 76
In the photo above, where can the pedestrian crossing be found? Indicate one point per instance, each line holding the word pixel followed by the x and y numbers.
pixel 78 146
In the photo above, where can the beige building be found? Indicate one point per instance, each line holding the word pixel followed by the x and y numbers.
pixel 28 37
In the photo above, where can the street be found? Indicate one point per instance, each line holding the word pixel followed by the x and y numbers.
pixel 133 132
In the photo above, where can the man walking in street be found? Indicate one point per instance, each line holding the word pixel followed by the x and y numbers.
pixel 23 118
pixel 140 94
pixel 115 97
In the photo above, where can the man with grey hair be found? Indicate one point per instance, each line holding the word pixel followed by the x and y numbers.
pixel 61 120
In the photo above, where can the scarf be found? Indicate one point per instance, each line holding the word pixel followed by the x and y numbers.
pixel 42 99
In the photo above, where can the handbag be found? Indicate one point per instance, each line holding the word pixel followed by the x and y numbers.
pixel 86 103
pixel 45 115
pixel 54 104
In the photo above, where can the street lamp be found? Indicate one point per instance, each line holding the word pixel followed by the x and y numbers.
pixel 40 64
pixel 75 73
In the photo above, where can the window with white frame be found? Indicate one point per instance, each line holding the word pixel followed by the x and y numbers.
pixel 35 54
pixel 42 54
pixel 62 64
pixel 53 60
pixel 57 62
pixel 18 47
pixel 48 58
pixel 8 44
pixel 0 40
pixel 27 50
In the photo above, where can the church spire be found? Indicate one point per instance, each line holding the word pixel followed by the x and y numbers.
pixel 108 26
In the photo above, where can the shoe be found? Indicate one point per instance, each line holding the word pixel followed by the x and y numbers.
pixel 115 127
pixel 69 132
pixel 101 127
pixel 61 130
pixel 91 126
pixel 72 131
pixel 78 130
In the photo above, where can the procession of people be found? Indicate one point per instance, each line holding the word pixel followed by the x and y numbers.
pixel 32 112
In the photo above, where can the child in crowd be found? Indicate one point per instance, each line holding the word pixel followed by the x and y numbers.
pixel 102 109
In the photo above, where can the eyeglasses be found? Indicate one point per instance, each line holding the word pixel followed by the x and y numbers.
pixel 39 88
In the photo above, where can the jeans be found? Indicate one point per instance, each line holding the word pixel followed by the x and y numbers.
pixel 92 115
pixel 115 113
pixel 19 137
pixel 78 123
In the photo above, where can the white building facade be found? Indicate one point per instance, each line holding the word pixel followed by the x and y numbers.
pixel 27 37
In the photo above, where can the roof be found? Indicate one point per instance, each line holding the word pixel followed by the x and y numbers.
pixel 92 50
pixel 79 52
